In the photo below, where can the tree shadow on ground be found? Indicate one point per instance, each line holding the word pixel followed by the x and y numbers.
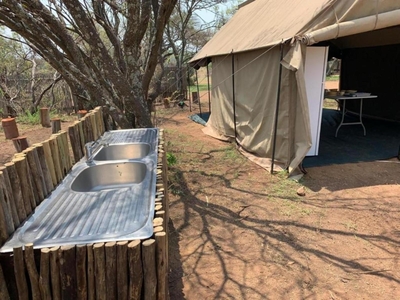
pixel 200 220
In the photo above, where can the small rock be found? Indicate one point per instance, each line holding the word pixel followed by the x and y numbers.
pixel 301 191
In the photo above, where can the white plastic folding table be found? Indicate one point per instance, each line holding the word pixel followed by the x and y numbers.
pixel 357 96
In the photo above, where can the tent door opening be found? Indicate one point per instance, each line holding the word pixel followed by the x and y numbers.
pixel 315 69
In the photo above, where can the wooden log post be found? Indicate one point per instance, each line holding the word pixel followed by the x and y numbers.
pixel 55 155
pixel 10 128
pixel 16 191
pixel 32 271
pixel 55 273
pixel 36 174
pixel 91 283
pixel 93 125
pixel 21 165
pixel 19 271
pixel 81 279
pixel 122 270
pixel 5 185
pixel 82 136
pixel 62 154
pixel 63 150
pixel 67 260
pixel 3 287
pixel 88 129
pixel 149 269
pixel 162 271
pixel 73 133
pixel 20 143
pixel 6 213
pixel 111 269
pixel 135 270
pixel 49 161
pixel 64 137
pixel 45 117
pixel 99 270
pixel 4 224
pixel 99 120
pixel 44 277
pixel 41 155
pixel 55 125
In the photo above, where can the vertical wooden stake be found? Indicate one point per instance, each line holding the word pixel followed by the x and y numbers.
pixel 36 174
pixel 111 269
pixel 135 270
pixel 73 132
pixel 99 270
pixel 162 272
pixel 4 224
pixel 90 273
pixel 5 184
pixel 45 168
pixel 19 270
pixel 44 278
pixel 16 191
pixel 32 271
pixel 82 136
pixel 45 117
pixel 55 155
pixel 122 270
pixel 149 269
pixel 20 143
pixel 67 259
pixel 55 125
pixel 81 278
pixel 6 205
pixel 49 161
pixel 55 273
pixel 3 287
pixel 21 165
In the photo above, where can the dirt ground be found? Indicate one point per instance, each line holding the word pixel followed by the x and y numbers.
pixel 237 232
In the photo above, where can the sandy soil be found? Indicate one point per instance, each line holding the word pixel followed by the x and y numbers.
pixel 236 232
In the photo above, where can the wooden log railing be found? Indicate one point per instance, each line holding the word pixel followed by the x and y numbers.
pixel 135 269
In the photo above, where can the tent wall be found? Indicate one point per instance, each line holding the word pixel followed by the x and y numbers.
pixel 375 70
pixel 256 89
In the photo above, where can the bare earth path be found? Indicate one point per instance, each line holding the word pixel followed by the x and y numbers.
pixel 239 233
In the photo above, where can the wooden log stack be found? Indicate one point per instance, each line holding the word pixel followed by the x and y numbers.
pixel 112 270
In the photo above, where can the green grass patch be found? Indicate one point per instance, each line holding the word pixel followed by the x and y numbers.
pixel 332 78
pixel 202 88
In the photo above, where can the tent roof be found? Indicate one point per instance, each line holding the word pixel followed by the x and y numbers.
pixel 263 23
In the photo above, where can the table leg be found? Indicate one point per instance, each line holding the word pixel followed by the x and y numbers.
pixel 361 106
pixel 343 113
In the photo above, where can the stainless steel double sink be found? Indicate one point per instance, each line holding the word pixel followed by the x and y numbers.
pixel 108 195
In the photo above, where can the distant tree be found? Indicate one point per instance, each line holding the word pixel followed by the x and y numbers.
pixel 97 47
pixel 186 32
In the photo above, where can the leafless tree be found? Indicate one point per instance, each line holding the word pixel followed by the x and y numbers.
pixel 96 47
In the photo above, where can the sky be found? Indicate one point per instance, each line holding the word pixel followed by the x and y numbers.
pixel 208 15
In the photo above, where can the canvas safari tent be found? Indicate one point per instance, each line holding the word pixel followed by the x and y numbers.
pixel 268 66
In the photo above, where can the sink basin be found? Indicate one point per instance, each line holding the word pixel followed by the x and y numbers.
pixel 123 151
pixel 109 176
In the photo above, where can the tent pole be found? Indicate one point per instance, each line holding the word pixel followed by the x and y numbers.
pixel 198 91
pixel 233 95
pixel 208 88
pixel 189 96
pixel 278 99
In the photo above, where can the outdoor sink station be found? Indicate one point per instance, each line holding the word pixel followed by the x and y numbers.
pixel 70 227
pixel 107 196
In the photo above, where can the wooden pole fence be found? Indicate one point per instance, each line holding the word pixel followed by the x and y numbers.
pixel 135 269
